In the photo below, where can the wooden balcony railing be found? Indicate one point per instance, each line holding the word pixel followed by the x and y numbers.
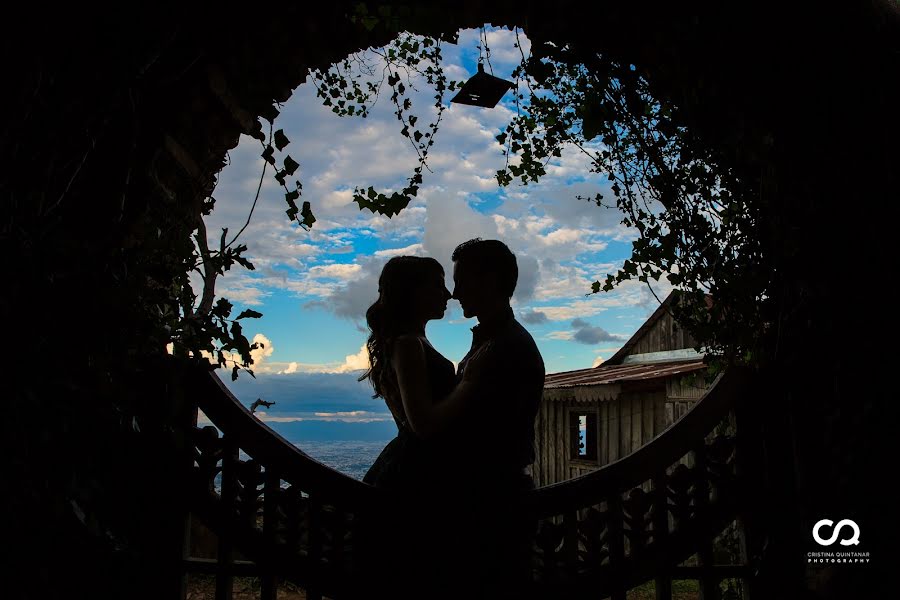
pixel 632 521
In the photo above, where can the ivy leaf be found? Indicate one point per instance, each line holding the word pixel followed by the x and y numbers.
pixel 290 165
pixel 244 263
pixel 593 119
pixel 249 314
pixel 281 140
pixel 222 308
pixel 306 213
pixel 258 133
pixel 270 113
pixel 269 155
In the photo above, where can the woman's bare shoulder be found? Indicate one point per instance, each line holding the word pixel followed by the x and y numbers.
pixel 407 344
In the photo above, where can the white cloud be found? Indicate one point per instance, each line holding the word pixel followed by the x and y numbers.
pixel 344 272
pixel 597 362
pixel 412 249
pixel 450 222
pixel 561 335
pixel 353 416
pixel 355 362
pixel 241 291
pixel 352 362
pixel 573 310
pixel 562 236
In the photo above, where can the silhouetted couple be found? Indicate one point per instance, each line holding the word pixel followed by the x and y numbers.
pixel 466 436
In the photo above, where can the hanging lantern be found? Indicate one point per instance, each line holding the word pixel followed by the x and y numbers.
pixel 482 90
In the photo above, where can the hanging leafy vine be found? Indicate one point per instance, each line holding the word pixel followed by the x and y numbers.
pixel 695 220
pixel 200 328
pixel 352 87
pixel 204 330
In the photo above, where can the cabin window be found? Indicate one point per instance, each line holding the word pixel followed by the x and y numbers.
pixel 583 435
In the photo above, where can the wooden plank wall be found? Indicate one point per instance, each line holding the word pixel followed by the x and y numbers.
pixel 624 424
pixel 681 394
pixel 662 336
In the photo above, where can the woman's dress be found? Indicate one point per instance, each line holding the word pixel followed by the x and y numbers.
pixel 409 552
pixel 408 462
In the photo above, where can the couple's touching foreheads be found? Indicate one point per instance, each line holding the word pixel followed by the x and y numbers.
pixel 465 435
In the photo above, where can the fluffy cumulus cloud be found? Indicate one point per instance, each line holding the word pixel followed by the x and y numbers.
pixel 355 297
pixel 533 317
pixel 352 363
pixel 586 333
pixel 450 221
pixel 411 250
pixel 355 362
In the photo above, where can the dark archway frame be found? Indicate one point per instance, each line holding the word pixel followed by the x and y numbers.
pixel 119 127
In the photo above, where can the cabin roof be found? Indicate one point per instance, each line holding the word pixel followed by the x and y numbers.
pixel 609 374
pixel 662 309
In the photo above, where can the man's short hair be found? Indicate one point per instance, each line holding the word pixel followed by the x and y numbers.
pixel 490 256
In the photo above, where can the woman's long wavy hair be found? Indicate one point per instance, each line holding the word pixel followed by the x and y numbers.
pixel 389 317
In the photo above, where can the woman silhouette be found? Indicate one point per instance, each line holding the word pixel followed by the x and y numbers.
pixel 415 380
pixel 419 387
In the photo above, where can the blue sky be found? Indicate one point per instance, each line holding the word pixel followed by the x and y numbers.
pixel 313 287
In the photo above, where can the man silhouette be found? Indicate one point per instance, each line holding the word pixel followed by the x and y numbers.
pixel 497 442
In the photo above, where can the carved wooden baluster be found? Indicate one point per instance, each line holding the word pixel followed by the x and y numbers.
pixel 749 472
pixel 249 479
pixel 207 453
pixel 229 498
pixel 292 508
pixel 680 484
pixel 616 546
pixel 338 532
pixel 548 539
pixel 637 507
pixel 570 543
pixel 186 427
pixel 593 529
pixel 709 586
pixel 271 492
pixel 663 579
pixel 314 526
pixel 720 465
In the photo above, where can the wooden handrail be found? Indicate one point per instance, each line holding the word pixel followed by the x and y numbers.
pixel 318 565
pixel 269 448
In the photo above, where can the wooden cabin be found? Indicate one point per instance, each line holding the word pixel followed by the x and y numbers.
pixel 591 417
